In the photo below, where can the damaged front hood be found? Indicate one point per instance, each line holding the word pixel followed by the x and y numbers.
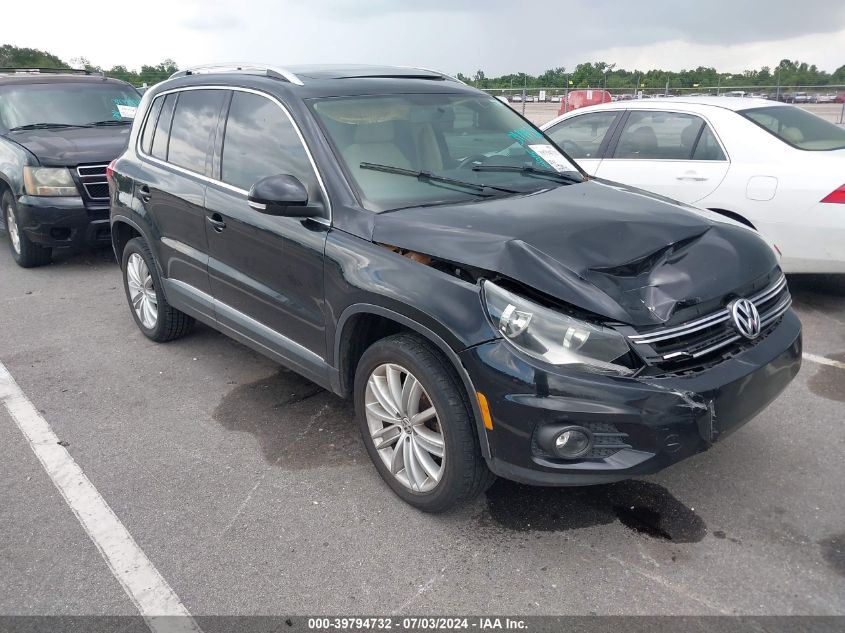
pixel 613 250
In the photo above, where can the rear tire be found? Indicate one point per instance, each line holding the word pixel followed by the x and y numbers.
pixel 26 253
pixel 434 419
pixel 156 318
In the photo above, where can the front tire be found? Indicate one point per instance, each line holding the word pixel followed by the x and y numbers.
pixel 156 318
pixel 417 424
pixel 26 253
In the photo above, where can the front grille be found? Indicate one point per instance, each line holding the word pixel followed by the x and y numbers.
pixel 707 337
pixel 93 180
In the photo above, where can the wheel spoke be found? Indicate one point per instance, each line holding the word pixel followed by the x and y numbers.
pixel 430 440
pixel 411 391
pixel 378 411
pixel 394 384
pixel 397 461
pixel 423 416
pixel 412 467
pixel 382 393
pixel 424 459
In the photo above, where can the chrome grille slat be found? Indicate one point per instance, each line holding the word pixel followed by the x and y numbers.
pixel 772 302
pixel 91 176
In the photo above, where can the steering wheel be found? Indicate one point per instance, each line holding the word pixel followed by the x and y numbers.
pixel 470 160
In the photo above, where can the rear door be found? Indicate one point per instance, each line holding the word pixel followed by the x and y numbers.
pixel 177 142
pixel 674 154
pixel 266 272
pixel 585 136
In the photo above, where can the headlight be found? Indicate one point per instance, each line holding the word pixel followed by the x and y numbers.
pixel 49 181
pixel 552 336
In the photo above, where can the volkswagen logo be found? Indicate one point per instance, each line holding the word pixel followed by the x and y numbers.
pixel 746 318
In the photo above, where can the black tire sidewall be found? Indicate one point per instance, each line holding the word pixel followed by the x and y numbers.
pixel 139 246
pixel 455 420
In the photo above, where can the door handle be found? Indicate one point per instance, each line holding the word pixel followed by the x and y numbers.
pixel 692 177
pixel 144 193
pixel 216 222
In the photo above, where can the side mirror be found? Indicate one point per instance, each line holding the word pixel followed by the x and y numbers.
pixel 282 195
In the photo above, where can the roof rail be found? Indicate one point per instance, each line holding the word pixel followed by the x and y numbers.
pixel 48 71
pixel 436 72
pixel 275 72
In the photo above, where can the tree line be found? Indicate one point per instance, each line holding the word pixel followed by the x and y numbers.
pixel 787 74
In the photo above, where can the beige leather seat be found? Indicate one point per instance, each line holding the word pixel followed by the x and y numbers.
pixel 375 143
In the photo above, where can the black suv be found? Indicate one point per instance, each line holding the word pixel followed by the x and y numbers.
pixel 59 129
pixel 400 238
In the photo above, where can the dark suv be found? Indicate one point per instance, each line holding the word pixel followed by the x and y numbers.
pixel 59 129
pixel 400 238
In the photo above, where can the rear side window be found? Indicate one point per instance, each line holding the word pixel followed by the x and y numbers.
pixel 582 135
pixel 150 125
pixel 194 125
pixel 658 135
pixel 261 141
pixel 797 127
pixel 162 129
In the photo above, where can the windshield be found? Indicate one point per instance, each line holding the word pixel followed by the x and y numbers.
pixel 797 127
pixel 424 149
pixel 66 103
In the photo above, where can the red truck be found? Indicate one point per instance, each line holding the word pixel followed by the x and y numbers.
pixel 582 98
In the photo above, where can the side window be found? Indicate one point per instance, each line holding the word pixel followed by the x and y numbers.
pixel 581 136
pixel 261 141
pixel 194 125
pixel 162 129
pixel 150 125
pixel 708 147
pixel 658 135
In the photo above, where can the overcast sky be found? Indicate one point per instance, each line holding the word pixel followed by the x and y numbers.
pixel 497 36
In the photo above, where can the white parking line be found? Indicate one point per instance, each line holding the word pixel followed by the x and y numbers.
pixel 821 360
pixel 144 585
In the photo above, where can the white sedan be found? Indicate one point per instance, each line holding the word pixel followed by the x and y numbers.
pixel 772 166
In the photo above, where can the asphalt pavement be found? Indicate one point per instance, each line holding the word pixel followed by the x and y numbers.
pixel 250 491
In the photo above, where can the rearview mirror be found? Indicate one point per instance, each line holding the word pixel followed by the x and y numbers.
pixel 283 195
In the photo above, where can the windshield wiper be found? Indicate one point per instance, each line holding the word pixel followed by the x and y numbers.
pixel 425 176
pixel 530 171
pixel 43 126
pixel 110 122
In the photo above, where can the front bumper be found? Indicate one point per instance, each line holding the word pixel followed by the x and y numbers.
pixel 63 222
pixel 662 420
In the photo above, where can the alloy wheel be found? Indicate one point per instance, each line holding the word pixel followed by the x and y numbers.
pixel 12 227
pixel 142 293
pixel 405 427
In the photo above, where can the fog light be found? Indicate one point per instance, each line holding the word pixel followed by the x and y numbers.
pixel 573 441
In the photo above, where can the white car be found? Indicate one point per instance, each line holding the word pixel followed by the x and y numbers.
pixel 772 166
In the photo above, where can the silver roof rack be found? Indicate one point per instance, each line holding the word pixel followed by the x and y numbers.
pixel 436 72
pixel 250 69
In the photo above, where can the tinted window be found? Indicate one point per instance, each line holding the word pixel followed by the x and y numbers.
pixel 162 133
pixel 150 125
pixel 581 136
pixel 798 127
pixel 261 141
pixel 194 125
pixel 659 136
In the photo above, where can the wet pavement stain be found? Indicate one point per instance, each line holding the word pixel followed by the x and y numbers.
pixel 297 424
pixel 829 382
pixel 644 507
pixel 833 550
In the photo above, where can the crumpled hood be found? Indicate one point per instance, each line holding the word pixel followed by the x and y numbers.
pixel 73 146
pixel 610 249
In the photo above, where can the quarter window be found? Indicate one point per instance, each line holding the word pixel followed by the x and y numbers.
pixel 162 129
pixel 150 125
pixel 194 126
pixel 261 141
pixel 582 135
pixel 662 135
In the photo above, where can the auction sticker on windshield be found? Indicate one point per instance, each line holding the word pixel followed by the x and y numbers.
pixel 551 156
